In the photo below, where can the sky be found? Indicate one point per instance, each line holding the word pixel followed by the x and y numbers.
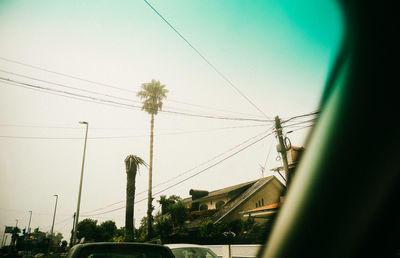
pixel 230 67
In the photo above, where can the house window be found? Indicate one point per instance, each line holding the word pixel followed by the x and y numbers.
pixel 203 207
pixel 259 203
pixel 219 204
pixel 262 201
pixel 256 205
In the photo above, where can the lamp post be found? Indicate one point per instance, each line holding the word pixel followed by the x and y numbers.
pixel 54 216
pixel 80 184
pixel 29 224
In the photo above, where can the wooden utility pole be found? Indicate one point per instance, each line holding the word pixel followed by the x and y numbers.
pixel 282 148
pixel 71 242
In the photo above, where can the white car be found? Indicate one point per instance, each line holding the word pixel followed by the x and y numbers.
pixel 191 251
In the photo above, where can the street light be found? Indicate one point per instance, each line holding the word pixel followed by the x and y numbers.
pixel 80 184
pixel 54 216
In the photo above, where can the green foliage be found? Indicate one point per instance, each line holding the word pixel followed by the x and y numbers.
pixel 174 207
pixel 106 231
pixel 120 235
pixel 152 94
pixel 87 228
pixel 167 202
pixel 141 232
pixel 163 225
pixel 178 213
pixel 210 230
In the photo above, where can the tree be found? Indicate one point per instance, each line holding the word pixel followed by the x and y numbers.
pixel 132 163
pixel 152 94
pixel 167 202
pixel 87 228
pixel 178 214
pixel 106 231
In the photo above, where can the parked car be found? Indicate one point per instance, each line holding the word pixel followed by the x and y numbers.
pixel 120 250
pixel 191 251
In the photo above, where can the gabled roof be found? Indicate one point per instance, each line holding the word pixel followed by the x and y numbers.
pixel 221 192
pixel 230 206
pixel 252 188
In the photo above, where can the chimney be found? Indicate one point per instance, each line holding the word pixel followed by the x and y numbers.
pixel 196 194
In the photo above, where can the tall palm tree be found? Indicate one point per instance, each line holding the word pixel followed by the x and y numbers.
pixel 152 94
pixel 132 163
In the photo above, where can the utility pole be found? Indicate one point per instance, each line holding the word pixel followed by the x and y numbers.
pixel 71 244
pixel 54 216
pixel 282 148
pixel 29 224
pixel 80 184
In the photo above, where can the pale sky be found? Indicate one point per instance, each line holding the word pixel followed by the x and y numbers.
pixel 277 53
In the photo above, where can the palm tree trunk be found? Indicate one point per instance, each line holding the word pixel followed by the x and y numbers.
pixel 150 198
pixel 130 202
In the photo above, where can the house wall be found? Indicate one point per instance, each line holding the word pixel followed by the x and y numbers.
pixel 212 202
pixel 269 194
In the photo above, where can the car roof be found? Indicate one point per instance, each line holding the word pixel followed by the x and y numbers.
pixel 182 245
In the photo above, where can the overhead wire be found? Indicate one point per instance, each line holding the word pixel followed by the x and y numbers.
pixel 300 116
pixel 125 137
pixel 206 60
pixel 191 176
pixel 103 94
pixel 106 85
pixel 69 87
pixel 299 123
pixel 187 171
pixel 115 103
pixel 67 75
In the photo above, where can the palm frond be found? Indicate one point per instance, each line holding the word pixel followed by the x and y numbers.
pixel 152 94
pixel 133 160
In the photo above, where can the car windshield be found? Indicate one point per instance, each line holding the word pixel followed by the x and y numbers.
pixel 156 120
pixel 193 252
pixel 126 254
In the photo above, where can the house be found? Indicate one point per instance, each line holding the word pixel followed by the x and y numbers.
pixel 228 204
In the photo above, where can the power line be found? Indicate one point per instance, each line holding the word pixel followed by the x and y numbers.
pixel 189 177
pixel 99 93
pixel 115 128
pixel 101 84
pixel 299 116
pixel 209 108
pixel 115 103
pixel 185 172
pixel 68 87
pixel 299 123
pixel 124 137
pixel 206 60
pixel 189 170
pixel 67 75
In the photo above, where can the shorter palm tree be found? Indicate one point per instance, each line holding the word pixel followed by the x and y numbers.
pixel 132 163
